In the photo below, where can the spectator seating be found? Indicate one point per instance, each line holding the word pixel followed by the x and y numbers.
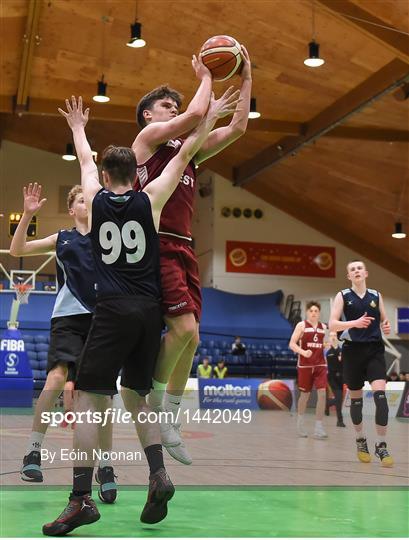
pixel 270 359
pixel 36 347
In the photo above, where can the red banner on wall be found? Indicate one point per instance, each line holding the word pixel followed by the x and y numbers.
pixel 280 259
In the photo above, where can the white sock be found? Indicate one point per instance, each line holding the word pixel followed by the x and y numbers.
pixel 155 397
pixel 360 435
pixel 172 404
pixel 318 423
pixel 35 441
pixel 300 418
pixel 104 463
pixel 381 440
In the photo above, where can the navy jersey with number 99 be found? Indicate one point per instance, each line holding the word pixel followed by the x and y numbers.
pixel 125 245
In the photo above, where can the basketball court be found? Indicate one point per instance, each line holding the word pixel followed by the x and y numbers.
pixel 316 178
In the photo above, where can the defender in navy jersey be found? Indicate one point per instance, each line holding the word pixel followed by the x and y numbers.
pixel 359 313
pixel 70 320
pixel 126 329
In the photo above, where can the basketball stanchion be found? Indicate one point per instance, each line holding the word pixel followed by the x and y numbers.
pixel 22 291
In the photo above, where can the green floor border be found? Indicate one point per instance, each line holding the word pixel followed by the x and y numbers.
pixel 223 511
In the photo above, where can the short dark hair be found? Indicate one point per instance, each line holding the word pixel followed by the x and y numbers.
pixel 313 303
pixel 355 261
pixel 120 163
pixel 149 100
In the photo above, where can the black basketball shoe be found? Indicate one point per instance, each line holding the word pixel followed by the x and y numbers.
pixel 31 469
pixel 161 490
pixel 79 511
pixel 107 487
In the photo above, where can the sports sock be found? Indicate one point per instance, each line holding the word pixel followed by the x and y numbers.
pixel 82 480
pixel 35 441
pixel 155 398
pixel 172 404
pixel 154 455
pixel 381 440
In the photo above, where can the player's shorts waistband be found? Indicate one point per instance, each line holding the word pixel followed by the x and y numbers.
pixel 142 297
pixel 176 237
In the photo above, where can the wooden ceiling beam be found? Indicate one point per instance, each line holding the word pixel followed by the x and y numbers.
pixel 31 39
pixel 376 86
pixel 396 42
pixel 118 113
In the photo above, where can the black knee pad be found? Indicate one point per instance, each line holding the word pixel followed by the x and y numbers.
pixel 382 409
pixel 356 411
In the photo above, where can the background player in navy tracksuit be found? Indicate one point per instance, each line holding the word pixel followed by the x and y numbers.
pixel 363 356
pixel 126 330
pixel 70 320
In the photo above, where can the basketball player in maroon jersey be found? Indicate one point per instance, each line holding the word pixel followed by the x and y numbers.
pixel 159 140
pixel 308 342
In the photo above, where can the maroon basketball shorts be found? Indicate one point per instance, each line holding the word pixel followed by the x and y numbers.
pixel 309 377
pixel 180 279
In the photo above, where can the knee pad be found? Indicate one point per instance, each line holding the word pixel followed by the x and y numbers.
pixel 382 409
pixel 356 411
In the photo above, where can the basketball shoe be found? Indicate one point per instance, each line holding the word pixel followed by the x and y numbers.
pixel 31 469
pixel 79 511
pixel 382 453
pixel 161 490
pixel 173 442
pixel 107 486
pixel 362 450
pixel 319 431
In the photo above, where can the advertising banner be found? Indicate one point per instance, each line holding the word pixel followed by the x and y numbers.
pixel 280 259
pixel 252 394
pixel 402 319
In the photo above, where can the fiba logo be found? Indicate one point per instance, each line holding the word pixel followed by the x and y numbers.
pixel 12 360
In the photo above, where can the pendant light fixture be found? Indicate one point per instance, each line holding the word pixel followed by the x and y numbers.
pixel 313 59
pixel 136 41
pixel 253 113
pixel 398 233
pixel 69 153
pixel 101 95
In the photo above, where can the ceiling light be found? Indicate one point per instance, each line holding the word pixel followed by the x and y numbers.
pixel 69 153
pixel 314 59
pixel 398 231
pixel 136 41
pixel 253 109
pixel 101 96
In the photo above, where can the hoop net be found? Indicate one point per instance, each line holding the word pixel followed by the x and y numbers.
pixel 22 292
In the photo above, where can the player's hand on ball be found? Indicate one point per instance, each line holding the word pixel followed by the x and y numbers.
pixel 74 115
pixel 307 354
pixel 225 105
pixel 246 69
pixel 32 201
pixel 364 321
pixel 386 327
pixel 199 68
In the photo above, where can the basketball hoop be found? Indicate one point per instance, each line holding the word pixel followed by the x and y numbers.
pixel 22 292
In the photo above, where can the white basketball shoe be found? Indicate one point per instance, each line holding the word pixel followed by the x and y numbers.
pixel 173 442
pixel 301 431
pixel 319 431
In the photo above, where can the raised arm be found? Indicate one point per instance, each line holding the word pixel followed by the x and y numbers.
pixel 295 338
pixel 162 187
pixel 32 203
pixel 157 133
pixel 222 137
pixel 77 120
pixel 335 323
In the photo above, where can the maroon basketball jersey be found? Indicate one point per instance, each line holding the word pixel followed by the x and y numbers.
pixel 176 217
pixel 313 340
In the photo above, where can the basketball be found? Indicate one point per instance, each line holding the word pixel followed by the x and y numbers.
pixel 274 396
pixel 221 55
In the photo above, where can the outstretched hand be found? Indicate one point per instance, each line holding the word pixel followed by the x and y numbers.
pixel 32 201
pixel 199 68
pixel 74 115
pixel 364 321
pixel 225 105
